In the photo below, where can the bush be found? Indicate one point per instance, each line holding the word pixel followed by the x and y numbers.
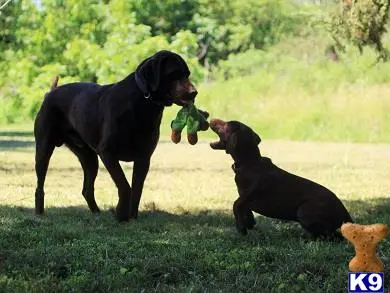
pixel 241 64
pixel 360 23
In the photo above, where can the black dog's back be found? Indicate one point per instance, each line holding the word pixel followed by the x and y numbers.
pixel 59 113
pixel 62 97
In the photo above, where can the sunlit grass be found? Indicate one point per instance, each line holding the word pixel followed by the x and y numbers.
pixel 184 239
pixel 187 177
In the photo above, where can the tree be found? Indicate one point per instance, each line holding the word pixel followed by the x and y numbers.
pixel 361 23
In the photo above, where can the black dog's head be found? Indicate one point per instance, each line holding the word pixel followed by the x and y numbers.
pixel 237 139
pixel 163 78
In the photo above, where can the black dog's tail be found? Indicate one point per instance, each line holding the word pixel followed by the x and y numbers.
pixel 54 85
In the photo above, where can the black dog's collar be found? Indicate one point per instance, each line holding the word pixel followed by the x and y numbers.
pixel 261 163
pixel 143 87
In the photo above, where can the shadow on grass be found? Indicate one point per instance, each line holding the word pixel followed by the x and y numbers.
pixel 155 220
pixel 15 144
pixel 10 140
pixel 369 211
pixel 19 218
pixel 169 250
pixel 16 133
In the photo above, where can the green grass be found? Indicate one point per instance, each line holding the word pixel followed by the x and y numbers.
pixel 184 239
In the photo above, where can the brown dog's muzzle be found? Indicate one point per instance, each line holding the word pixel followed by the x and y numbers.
pixel 217 125
pixel 220 128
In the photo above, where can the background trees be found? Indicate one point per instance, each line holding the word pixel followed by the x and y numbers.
pixel 104 40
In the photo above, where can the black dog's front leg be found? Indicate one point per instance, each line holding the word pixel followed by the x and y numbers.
pixel 140 170
pixel 124 190
pixel 240 213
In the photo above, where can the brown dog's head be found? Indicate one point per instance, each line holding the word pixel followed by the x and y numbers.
pixel 163 78
pixel 236 138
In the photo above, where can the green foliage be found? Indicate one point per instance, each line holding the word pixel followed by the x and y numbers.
pixel 241 64
pixel 252 54
pixel 103 41
pixel 166 17
pixel 225 27
pixel 302 97
pixel 99 41
pixel 360 22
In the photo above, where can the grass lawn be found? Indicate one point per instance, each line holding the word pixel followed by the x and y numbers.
pixel 184 239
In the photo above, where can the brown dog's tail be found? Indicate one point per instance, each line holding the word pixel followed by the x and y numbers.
pixel 54 85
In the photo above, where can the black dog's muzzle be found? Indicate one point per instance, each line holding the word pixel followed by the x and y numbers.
pixel 168 101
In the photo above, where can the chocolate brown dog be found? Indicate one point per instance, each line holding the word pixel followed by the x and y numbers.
pixel 266 189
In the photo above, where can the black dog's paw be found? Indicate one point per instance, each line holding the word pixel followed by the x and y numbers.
pixel 242 230
pixel 250 226
pixel 249 222
pixel 119 215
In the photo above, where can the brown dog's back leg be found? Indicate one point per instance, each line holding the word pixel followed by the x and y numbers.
pixel 315 219
pixel 90 164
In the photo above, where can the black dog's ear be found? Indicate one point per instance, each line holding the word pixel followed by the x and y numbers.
pixel 231 143
pixel 148 73
pixel 161 67
pixel 152 71
pixel 256 138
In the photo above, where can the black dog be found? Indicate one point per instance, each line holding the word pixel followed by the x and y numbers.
pixel 271 191
pixel 118 122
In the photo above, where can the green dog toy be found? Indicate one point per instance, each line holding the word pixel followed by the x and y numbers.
pixel 194 119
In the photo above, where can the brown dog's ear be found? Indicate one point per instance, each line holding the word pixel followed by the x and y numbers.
pixel 231 144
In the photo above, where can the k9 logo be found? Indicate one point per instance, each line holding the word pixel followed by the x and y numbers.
pixel 366 282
